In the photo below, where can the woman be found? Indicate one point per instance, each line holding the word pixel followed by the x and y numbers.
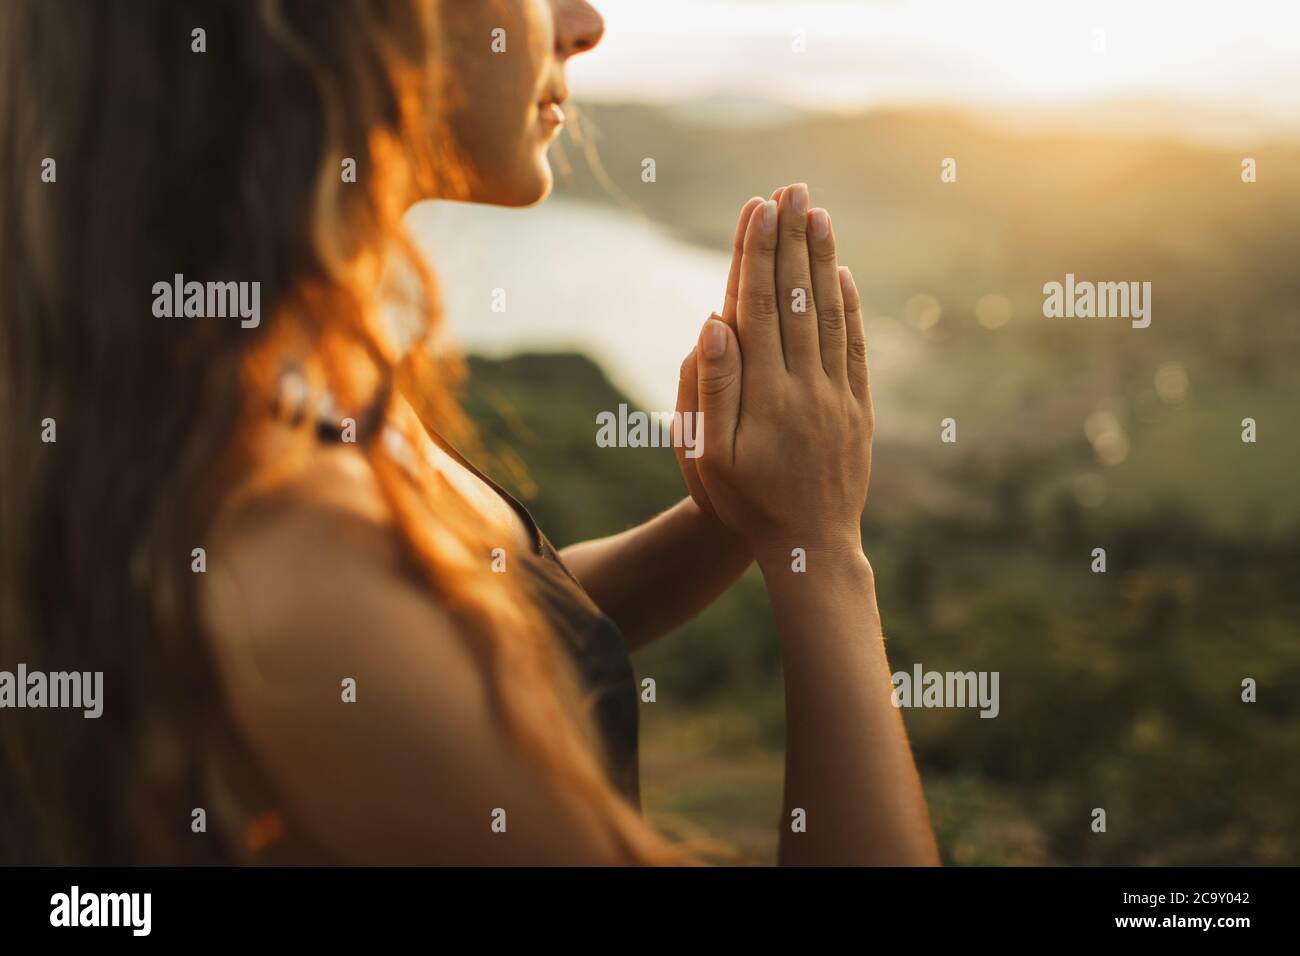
pixel 324 635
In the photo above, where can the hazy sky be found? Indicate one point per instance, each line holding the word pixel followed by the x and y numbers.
pixel 1228 54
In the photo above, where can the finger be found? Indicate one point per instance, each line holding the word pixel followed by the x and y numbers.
pixel 757 317
pixel 737 253
pixel 856 337
pixel 719 384
pixel 827 294
pixel 685 433
pixel 778 193
pixel 687 396
pixel 794 290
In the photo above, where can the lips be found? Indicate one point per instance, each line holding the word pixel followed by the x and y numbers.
pixel 554 94
pixel 551 114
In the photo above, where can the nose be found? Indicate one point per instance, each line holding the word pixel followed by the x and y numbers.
pixel 578 27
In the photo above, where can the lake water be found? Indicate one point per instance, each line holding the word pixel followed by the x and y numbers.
pixel 575 277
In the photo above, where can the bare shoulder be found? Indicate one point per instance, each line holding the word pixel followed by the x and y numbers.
pixel 360 695
pixel 335 500
pixel 307 585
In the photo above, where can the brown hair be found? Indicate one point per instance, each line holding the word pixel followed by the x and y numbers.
pixel 220 165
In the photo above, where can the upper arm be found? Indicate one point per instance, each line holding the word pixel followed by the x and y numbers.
pixel 412 771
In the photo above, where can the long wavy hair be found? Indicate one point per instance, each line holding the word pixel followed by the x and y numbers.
pixel 224 164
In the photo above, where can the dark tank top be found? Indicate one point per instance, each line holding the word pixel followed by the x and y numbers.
pixel 593 641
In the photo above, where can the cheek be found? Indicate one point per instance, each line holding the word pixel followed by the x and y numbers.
pixel 503 145
pixel 508 149
pixel 540 28
pixel 494 94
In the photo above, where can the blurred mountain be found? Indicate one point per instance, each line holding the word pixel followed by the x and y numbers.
pixel 1151 117
pixel 1025 207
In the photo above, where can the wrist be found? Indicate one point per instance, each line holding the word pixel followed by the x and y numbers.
pixel 780 550
pixel 829 562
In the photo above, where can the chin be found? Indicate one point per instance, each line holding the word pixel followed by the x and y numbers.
pixel 534 185
pixel 526 185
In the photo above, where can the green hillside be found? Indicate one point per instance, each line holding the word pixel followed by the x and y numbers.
pixel 1118 690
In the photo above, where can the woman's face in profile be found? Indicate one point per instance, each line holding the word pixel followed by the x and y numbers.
pixel 506 62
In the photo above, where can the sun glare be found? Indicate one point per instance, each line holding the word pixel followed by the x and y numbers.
pixel 845 54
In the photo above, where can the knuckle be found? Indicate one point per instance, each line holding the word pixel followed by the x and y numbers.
pixel 824 254
pixel 758 242
pixel 801 305
pixel 762 304
pixel 832 317
pixel 716 383
pixel 858 350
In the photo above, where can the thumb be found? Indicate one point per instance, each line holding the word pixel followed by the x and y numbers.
pixel 718 376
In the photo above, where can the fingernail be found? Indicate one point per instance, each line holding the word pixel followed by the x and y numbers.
pixel 800 199
pixel 715 339
pixel 821 224
pixel 769 216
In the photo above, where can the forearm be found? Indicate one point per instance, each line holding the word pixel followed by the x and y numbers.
pixel 848 762
pixel 660 574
